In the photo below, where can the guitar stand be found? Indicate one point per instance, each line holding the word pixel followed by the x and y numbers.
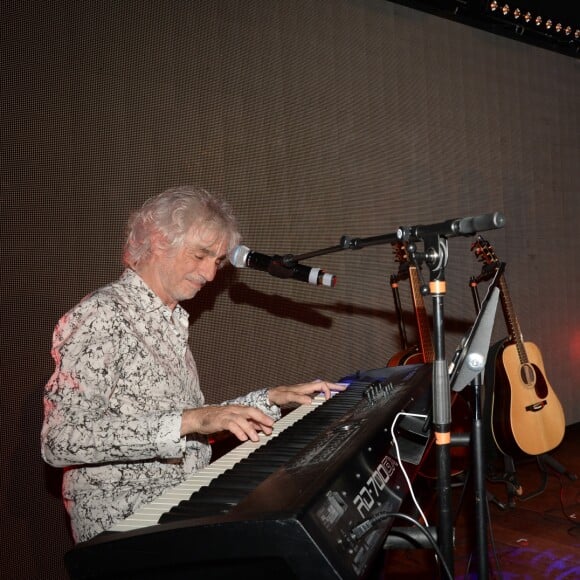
pixel 509 479
pixel 515 490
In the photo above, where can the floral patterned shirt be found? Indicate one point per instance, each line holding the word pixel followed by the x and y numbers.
pixel 112 408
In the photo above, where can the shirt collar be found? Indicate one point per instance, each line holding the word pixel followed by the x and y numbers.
pixel 148 299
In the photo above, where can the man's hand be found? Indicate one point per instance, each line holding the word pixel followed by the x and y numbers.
pixel 302 393
pixel 247 422
pixel 242 421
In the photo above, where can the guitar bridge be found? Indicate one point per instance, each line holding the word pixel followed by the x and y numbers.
pixel 536 406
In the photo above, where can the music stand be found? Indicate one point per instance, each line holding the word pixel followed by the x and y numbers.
pixel 467 366
pixel 470 357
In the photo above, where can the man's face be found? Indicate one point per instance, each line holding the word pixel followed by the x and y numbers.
pixel 180 274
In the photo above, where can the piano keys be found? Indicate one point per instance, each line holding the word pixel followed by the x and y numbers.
pixel 151 513
pixel 286 506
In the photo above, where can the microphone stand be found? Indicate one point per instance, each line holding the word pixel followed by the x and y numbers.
pixel 435 255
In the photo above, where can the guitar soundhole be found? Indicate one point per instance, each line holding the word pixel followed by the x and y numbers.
pixel 528 375
pixel 541 383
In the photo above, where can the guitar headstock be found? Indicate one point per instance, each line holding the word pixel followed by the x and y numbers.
pixel 484 252
pixel 402 258
pixel 401 254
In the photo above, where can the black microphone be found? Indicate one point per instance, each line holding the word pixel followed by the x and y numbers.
pixel 456 227
pixel 242 257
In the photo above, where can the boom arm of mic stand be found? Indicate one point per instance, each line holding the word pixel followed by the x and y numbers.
pixel 466 226
pixel 346 243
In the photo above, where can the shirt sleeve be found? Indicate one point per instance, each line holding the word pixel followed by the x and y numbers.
pixel 81 426
pixel 258 399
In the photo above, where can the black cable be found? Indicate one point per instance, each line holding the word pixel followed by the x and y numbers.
pixel 364 527
pixel 566 514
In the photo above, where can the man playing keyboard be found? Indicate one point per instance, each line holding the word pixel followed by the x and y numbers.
pixel 124 414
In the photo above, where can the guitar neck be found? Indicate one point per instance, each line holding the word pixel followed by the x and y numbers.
pixel 511 320
pixel 399 309
pixel 421 316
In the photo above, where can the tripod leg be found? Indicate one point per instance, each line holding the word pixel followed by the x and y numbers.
pixel 480 492
pixel 547 460
pixel 493 499
pixel 514 489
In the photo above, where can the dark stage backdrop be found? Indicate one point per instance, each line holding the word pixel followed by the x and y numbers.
pixel 316 120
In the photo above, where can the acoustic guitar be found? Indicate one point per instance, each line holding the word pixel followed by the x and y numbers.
pixel 526 413
pixel 422 352
pixel 425 353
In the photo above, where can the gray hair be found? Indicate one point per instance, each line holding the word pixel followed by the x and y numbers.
pixel 172 214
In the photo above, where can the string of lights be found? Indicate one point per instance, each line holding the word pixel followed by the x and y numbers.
pixel 551 24
pixel 539 19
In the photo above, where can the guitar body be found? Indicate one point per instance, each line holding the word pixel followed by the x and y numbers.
pixel 526 413
pixel 411 356
pixel 408 355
